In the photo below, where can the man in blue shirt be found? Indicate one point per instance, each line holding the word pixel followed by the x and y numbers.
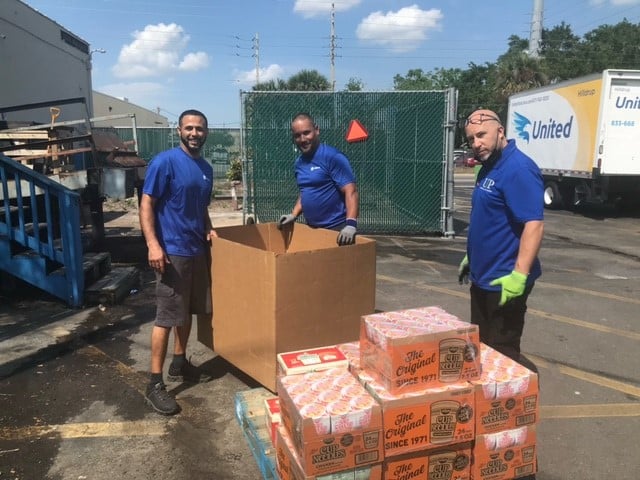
pixel 328 193
pixel 176 225
pixel 505 233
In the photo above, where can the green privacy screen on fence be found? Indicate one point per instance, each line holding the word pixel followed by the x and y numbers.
pixel 403 174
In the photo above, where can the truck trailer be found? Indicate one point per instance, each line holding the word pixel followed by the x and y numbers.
pixel 584 134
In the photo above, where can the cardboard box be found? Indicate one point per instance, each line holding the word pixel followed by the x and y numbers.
pixel 278 291
pixel 333 422
pixel 351 350
pixel 452 463
pixel 433 418
pixel 311 360
pixel 289 468
pixel 504 455
pixel 506 393
pixel 272 416
pixel 419 348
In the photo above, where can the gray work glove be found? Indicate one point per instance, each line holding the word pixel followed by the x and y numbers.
pixel 463 271
pixel 347 236
pixel 286 220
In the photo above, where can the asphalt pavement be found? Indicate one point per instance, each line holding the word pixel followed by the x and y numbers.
pixel 72 381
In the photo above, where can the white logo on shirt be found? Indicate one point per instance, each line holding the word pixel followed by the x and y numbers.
pixel 487 184
pixel 314 168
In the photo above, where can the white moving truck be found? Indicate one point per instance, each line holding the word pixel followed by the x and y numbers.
pixel 584 134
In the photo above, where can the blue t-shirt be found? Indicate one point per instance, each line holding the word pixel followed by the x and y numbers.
pixel 320 179
pixel 182 187
pixel 508 193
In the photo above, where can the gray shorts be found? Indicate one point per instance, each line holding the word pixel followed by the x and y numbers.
pixel 182 290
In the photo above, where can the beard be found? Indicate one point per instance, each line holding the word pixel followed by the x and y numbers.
pixel 193 146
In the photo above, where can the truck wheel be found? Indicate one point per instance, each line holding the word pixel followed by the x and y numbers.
pixel 552 196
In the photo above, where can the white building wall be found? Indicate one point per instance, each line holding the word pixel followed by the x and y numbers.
pixel 41 61
pixel 106 105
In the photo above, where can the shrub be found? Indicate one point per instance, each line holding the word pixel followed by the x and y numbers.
pixel 234 174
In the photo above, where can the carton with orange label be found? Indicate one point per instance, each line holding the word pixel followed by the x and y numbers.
pixel 432 418
pixel 506 393
pixel 289 468
pixel 333 422
pixel 504 455
pixel 419 348
pixel 452 463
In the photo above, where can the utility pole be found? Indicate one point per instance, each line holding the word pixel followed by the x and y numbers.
pixel 256 55
pixel 332 54
pixel 536 29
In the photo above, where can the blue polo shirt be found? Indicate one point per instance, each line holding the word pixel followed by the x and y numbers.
pixel 182 187
pixel 508 193
pixel 320 178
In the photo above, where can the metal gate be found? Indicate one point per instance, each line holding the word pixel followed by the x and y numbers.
pixel 403 168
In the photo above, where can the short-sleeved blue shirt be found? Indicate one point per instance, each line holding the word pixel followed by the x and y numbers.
pixel 182 187
pixel 508 193
pixel 320 179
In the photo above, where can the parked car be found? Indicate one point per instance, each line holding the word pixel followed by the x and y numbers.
pixel 464 158
pixel 470 160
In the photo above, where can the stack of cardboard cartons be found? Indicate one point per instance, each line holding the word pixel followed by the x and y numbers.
pixel 330 425
pixel 417 364
pixel 450 407
pixel 506 404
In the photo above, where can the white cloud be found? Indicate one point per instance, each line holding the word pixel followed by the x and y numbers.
pixel 314 8
pixel 194 61
pixel 156 51
pixel 272 72
pixel 400 31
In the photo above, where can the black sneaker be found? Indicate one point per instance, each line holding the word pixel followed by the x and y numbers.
pixel 188 373
pixel 158 397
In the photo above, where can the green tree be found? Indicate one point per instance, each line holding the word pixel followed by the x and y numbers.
pixel 561 53
pixel 415 79
pixel 270 86
pixel 354 85
pixel 612 46
pixel 308 80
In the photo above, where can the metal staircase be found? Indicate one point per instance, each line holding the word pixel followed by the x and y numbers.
pixel 41 241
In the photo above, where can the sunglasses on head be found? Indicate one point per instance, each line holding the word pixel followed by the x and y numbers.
pixel 479 119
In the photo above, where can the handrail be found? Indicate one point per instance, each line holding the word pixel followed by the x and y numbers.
pixel 57 207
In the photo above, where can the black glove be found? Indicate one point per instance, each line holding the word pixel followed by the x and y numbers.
pixel 463 271
pixel 286 220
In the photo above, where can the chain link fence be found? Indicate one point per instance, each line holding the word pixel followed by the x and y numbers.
pixel 403 169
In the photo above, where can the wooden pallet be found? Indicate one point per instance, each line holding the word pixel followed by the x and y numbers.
pixel 250 414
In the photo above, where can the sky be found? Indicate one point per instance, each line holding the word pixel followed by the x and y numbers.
pixel 168 56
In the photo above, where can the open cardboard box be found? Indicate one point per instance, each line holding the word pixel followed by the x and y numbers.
pixel 278 291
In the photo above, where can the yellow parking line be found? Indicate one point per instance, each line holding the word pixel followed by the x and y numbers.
pixel 87 430
pixel 539 313
pixel 591 293
pixel 584 324
pixel 608 410
pixel 599 380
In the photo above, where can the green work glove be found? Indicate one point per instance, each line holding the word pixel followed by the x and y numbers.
pixel 463 271
pixel 513 286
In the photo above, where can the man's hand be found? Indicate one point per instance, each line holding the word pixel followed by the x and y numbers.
pixel 463 271
pixel 157 258
pixel 347 236
pixel 513 286
pixel 286 220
